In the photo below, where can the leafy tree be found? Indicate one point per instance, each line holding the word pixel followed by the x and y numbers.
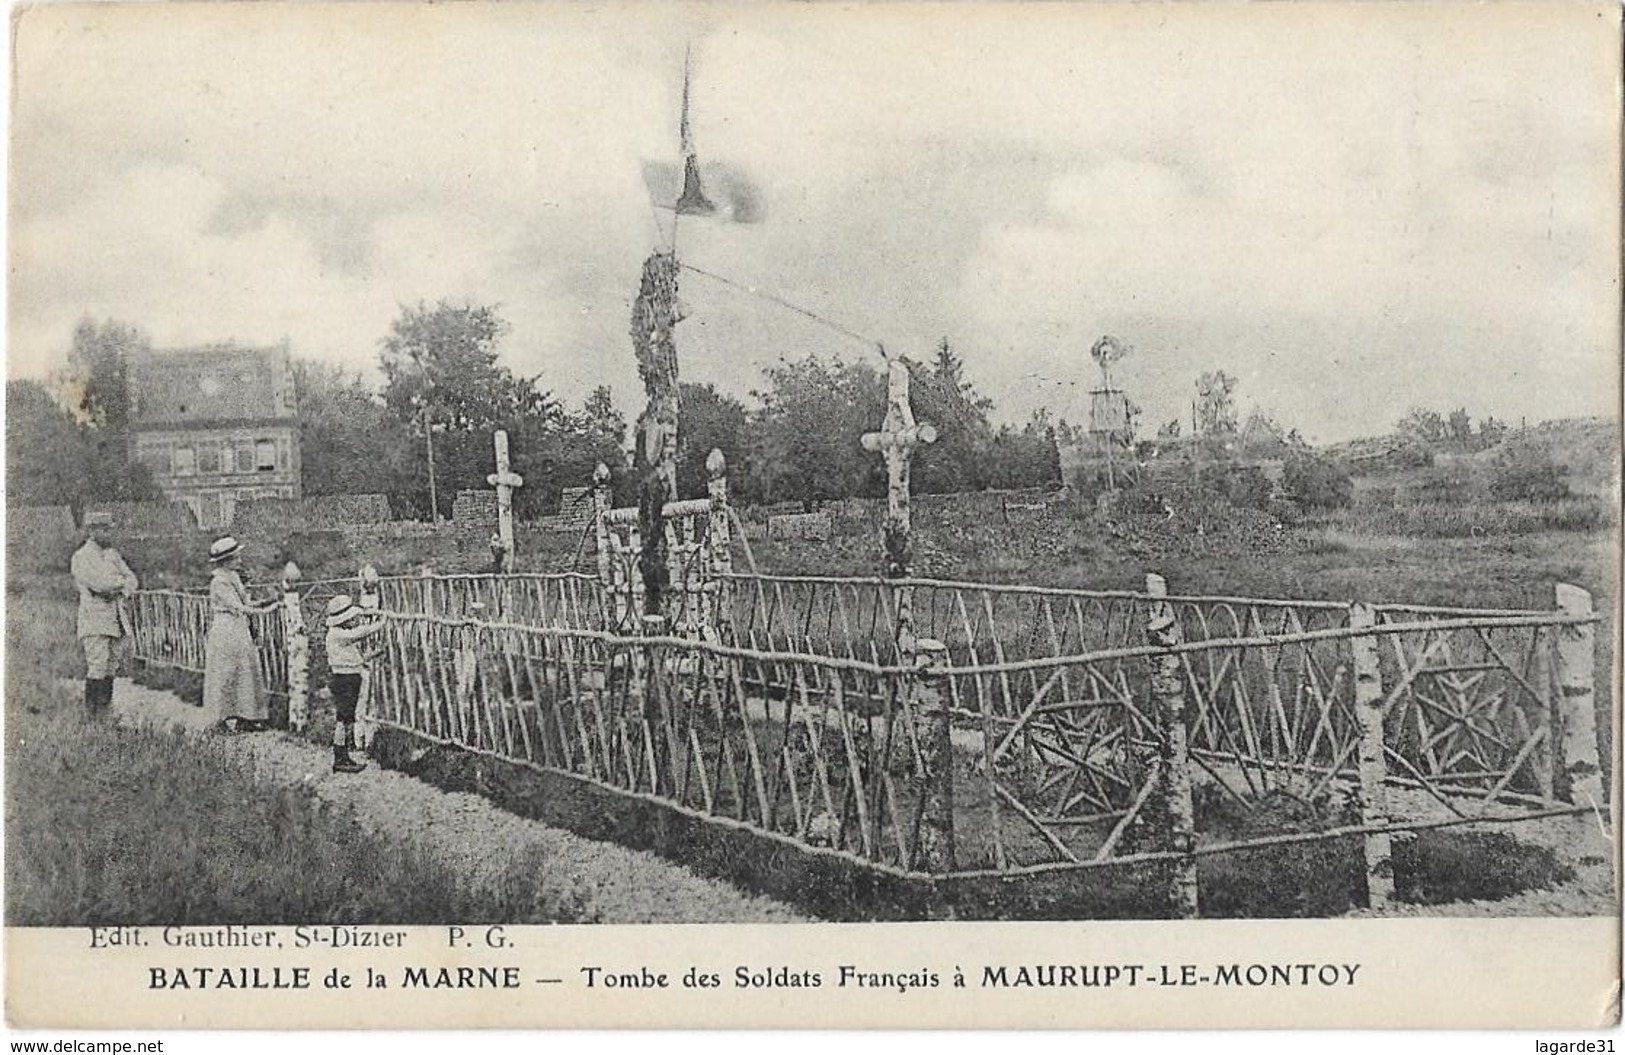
pixel 1458 428
pixel 1026 457
pixel 349 441
pixel 1424 425
pixel 1169 430
pixel 959 459
pixel 46 452
pixel 52 459
pixel 442 381
pixel 710 421
pixel 441 363
pixel 807 432
pixel 603 420
pixel 98 368
pixel 1490 432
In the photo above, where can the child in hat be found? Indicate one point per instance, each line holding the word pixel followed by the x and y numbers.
pixel 347 625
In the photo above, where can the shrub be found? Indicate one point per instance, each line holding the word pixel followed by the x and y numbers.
pixel 1318 482
pixel 1528 474
pixel 1445 485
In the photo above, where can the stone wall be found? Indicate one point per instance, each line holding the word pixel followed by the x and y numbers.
pixel 268 516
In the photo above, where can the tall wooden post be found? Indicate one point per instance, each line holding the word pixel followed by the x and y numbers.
pixel 932 726
pixel 1379 852
pixel 366 597
pixel 297 643
pixel 504 480
pixel 719 546
pixel 602 502
pixel 1168 687
pixel 1577 698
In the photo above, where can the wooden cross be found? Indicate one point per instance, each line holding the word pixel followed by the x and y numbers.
pixel 898 436
pixel 504 480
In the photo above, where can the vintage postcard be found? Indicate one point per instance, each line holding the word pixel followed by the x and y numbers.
pixel 1010 515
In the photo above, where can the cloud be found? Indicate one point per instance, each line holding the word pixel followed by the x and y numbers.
pixel 1350 209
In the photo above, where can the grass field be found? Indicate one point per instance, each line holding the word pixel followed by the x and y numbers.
pixel 107 824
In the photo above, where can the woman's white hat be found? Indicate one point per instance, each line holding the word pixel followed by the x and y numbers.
pixel 223 547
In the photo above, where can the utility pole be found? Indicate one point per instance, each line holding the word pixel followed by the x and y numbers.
pixel 428 443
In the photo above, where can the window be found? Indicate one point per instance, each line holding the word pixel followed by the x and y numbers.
pixel 265 456
pixel 208 458
pixel 183 461
pixel 245 456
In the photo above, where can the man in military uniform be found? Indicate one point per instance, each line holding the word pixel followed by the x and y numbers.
pixel 104 582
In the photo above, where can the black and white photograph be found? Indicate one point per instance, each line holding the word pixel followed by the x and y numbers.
pixel 484 471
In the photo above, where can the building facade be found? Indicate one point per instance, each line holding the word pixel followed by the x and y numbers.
pixel 216 425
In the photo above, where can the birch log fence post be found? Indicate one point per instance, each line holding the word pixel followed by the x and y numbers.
pixel 1168 688
pixel 366 597
pixel 1577 698
pixel 932 728
pixel 602 501
pixel 1379 864
pixel 297 642
pixel 719 547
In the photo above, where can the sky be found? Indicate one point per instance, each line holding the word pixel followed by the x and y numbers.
pixel 1352 210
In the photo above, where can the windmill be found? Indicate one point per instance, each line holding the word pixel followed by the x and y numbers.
pixel 1110 413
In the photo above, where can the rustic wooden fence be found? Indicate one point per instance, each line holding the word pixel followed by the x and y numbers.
pixel 1028 731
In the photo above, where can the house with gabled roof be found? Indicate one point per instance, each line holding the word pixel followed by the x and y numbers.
pixel 216 425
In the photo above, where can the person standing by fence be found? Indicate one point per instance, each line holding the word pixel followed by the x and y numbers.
pixel 347 625
pixel 232 689
pixel 104 581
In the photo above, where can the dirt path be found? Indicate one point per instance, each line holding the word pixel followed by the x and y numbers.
pixel 468 832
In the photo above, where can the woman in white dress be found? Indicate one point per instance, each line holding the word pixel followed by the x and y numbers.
pixel 232 689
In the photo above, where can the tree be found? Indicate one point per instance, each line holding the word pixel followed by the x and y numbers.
pixel 1026 457
pixel 1490 432
pixel 1424 425
pixel 1215 404
pixel 46 452
pixel 349 441
pixel 710 421
pixel 1458 428
pixel 52 459
pixel 807 432
pixel 98 376
pixel 603 420
pixel 442 382
pixel 959 459
pixel 98 366
pixel 1169 430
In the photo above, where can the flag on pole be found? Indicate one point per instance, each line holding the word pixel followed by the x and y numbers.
pixel 733 196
